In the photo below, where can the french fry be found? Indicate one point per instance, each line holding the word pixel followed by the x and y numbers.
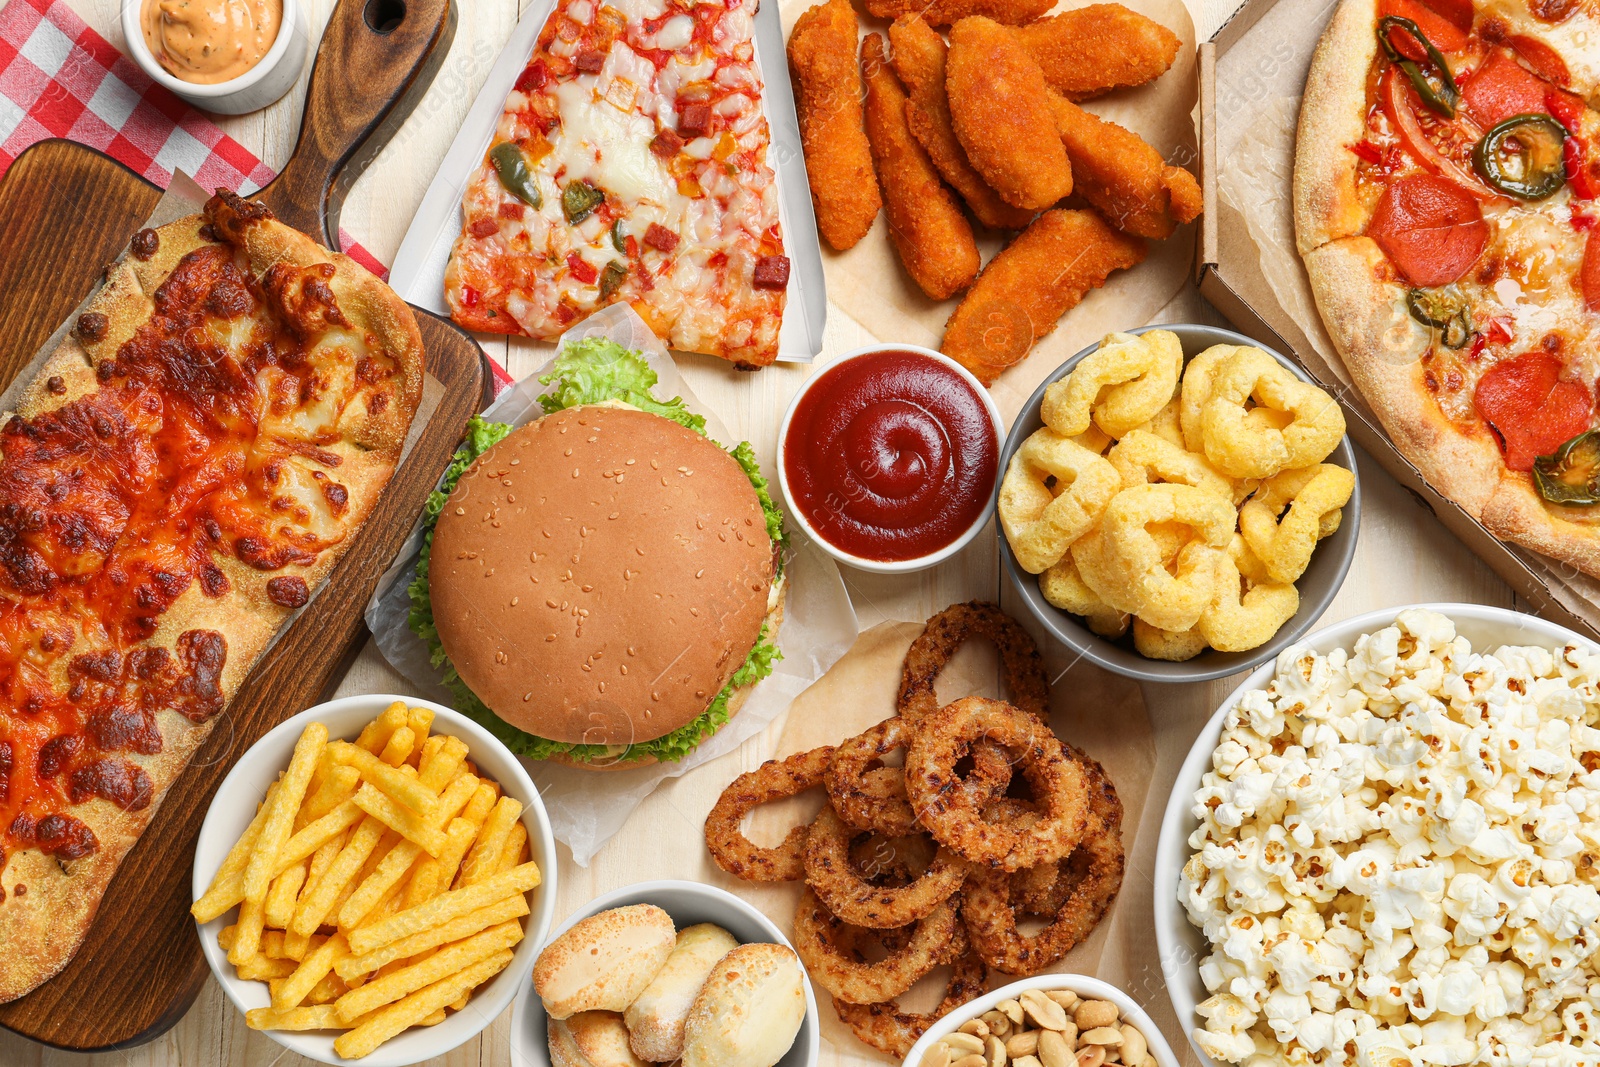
pixel 279 823
pixel 272 944
pixel 231 891
pixel 447 961
pixel 421 721
pixel 385 844
pixel 438 771
pixel 444 907
pixel 295 946
pixel 315 905
pixel 484 858
pixel 376 885
pixel 456 796
pixel 313 969
pixel 338 785
pixel 318 1017
pixel 516 849
pixel 460 1002
pixel 436 1018
pixel 404 788
pixel 247 940
pixel 402 820
pixel 399 747
pixel 260 969
pixel 418 1006
pixel 226 935
pixel 512 907
pixel 455 851
pixel 210 905
pixel 279 906
pixel 376 733
pixel 330 989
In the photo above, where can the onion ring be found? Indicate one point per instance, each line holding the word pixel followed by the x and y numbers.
pixel 773 780
pixel 890 1029
pixel 1057 780
pixel 824 944
pixel 948 631
pixel 991 917
pixel 843 890
pixel 869 796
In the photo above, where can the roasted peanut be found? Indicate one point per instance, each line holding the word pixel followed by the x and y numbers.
pixel 1134 1046
pixel 937 1056
pixel 965 1042
pixel 1024 1044
pixel 1091 1056
pixel 1101 1035
pixel 1093 1013
pixel 994 1051
pixel 1045 1012
pixel 976 1027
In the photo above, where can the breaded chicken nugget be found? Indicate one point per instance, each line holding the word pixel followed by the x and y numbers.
pixel 1024 291
pixel 833 134
pixel 1118 172
pixel 1092 50
pixel 1000 109
pixel 950 12
pixel 929 231
pixel 919 55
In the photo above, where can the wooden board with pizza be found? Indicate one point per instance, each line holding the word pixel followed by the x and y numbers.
pixel 1446 175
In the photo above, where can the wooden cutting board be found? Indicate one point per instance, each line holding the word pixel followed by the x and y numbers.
pixel 66 211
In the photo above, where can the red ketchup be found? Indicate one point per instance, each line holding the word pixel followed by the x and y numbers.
pixel 890 456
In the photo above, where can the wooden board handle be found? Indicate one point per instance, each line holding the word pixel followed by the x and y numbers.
pixel 375 61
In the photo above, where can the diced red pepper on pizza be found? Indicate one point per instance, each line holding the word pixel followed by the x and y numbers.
pixel 1532 408
pixel 1589 273
pixel 1502 87
pixel 1431 229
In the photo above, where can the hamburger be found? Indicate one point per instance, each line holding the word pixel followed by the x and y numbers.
pixel 603 585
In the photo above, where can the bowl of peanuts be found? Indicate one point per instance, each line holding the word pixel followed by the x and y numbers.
pixel 1052 1020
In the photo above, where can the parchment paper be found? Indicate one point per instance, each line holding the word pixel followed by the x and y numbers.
pixel 870 285
pixel 1259 83
pixel 1099 712
pixel 587 808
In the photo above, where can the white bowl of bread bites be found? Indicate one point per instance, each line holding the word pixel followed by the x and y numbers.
pixel 666 971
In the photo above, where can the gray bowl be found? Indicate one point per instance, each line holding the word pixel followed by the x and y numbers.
pixel 688 903
pixel 1329 563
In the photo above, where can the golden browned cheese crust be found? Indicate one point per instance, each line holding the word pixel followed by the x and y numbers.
pixel 356 441
pixel 1363 306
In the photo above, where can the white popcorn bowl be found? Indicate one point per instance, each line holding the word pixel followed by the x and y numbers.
pixel 1180 944
pixel 235 804
pixel 1081 984
pixel 687 903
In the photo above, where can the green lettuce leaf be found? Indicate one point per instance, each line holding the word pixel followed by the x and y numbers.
pixel 589 372
pixel 595 370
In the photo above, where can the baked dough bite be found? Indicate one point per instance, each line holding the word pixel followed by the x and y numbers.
pixel 749 1010
pixel 591 1039
pixel 655 1020
pixel 605 961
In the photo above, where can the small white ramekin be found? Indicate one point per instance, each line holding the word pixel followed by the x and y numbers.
pixel 1081 984
pixel 235 803
pixel 898 566
pixel 253 90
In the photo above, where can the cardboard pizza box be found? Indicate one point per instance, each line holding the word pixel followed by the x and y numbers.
pixel 1251 76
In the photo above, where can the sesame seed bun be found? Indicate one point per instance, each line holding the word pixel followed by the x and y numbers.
pixel 598 575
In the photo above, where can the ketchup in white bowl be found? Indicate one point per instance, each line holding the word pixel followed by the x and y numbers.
pixel 890 457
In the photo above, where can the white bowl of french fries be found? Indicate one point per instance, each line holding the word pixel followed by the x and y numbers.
pixel 373 881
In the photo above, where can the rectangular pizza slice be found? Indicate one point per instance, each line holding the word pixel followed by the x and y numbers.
pixel 630 164
pixel 176 480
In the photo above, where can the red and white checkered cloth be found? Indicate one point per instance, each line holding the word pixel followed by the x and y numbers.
pixel 59 78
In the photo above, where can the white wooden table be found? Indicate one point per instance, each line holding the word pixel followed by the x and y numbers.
pixel 1404 556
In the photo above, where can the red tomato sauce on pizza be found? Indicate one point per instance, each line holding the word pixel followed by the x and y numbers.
pixel 112 506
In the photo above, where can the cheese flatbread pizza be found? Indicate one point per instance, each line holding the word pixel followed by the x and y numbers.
pixel 1445 187
pixel 187 466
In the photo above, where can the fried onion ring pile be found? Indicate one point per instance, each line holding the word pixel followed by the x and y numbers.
pixel 992 819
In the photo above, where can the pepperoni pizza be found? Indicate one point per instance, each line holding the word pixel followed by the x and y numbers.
pixel 188 464
pixel 1447 205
